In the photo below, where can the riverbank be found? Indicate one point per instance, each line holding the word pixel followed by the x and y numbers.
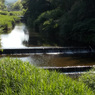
pixel 17 77
pixel 8 20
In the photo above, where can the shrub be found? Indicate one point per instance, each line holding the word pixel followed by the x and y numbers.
pixel 21 78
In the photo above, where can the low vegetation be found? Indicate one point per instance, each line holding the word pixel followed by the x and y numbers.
pixel 11 13
pixel 89 79
pixel 21 78
pixel 8 19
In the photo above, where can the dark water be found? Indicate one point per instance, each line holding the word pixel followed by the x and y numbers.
pixel 20 38
pixel 51 60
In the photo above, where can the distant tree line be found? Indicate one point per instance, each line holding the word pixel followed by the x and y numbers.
pixel 64 22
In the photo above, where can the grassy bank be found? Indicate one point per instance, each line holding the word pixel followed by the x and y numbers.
pixel 15 13
pixel 21 78
pixel 8 19
pixel 89 79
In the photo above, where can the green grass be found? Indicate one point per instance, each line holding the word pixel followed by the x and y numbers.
pixel 89 79
pixel 6 22
pixel 13 13
pixel 22 78
pixel 16 13
pixel 8 19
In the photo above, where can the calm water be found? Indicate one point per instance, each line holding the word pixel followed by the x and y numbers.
pixel 19 38
pixel 51 60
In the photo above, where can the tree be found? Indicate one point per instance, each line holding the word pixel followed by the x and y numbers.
pixel 34 9
pixel 17 6
pixel 2 5
pixel 69 21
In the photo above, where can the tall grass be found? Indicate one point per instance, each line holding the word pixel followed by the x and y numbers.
pixel 21 78
pixel 89 79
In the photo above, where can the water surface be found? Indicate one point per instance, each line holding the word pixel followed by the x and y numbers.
pixel 16 39
pixel 51 60
pixel 19 38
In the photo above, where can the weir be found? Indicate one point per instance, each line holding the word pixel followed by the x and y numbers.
pixel 72 71
pixel 12 40
pixel 44 50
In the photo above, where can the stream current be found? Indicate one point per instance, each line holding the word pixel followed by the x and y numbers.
pixel 20 37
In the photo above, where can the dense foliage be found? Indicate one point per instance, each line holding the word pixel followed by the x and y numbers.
pixel 2 5
pixel 21 78
pixel 89 79
pixel 17 6
pixel 65 22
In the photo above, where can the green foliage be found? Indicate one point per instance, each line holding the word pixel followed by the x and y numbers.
pixel 7 20
pixel 77 26
pixel 89 79
pixel 21 78
pixel 17 6
pixel 16 13
pixel 2 5
pixel 34 9
pixel 48 22
pixel 70 22
pixel 53 14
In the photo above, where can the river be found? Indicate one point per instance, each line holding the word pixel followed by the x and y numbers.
pixel 16 39
pixel 20 37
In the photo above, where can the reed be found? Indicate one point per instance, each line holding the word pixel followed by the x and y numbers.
pixel 22 78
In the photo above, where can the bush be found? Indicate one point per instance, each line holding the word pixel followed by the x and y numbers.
pixel 21 78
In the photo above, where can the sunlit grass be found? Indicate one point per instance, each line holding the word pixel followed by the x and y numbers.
pixel 7 19
pixel 6 22
pixel 89 79
pixel 22 78
pixel 14 13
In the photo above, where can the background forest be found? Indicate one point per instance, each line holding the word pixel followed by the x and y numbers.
pixel 63 22
pixel 60 22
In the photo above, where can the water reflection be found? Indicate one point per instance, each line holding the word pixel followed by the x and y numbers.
pixel 16 38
